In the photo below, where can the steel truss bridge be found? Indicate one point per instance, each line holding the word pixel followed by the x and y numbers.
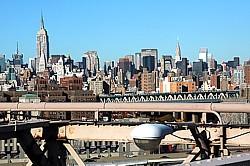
pixel 55 135
pixel 172 97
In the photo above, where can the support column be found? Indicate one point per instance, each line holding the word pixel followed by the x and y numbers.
pixel 87 149
pixel 97 116
pixel 14 146
pixel 121 152
pixel 183 116
pixel 204 117
pixel 195 118
pixel 2 148
pixel 8 117
pixel 127 147
pixel 98 146
pixel 56 150
pixel 176 115
pixel 8 150
pixel 109 144
pixel 31 148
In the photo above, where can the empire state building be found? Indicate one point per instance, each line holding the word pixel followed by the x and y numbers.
pixel 42 48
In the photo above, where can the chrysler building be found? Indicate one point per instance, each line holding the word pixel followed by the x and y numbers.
pixel 42 48
pixel 178 52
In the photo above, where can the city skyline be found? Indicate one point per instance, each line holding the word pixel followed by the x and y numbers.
pixel 118 29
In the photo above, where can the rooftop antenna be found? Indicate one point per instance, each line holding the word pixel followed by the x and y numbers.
pixel 17 51
pixel 42 23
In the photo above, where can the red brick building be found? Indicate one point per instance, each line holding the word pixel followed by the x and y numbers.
pixel 71 83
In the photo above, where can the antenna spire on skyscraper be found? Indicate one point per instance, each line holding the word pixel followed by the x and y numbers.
pixel 42 23
pixel 17 51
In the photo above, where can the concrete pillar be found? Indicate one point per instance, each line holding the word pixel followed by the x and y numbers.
pixel 121 149
pixel 14 146
pixel 195 118
pixel 127 147
pixel 14 140
pixel 87 149
pixel 2 146
pixel 8 149
pixel 176 115
pixel 8 116
pixel 97 115
pixel 204 117
pixel 98 146
pixel 109 148
pixel 93 145
pixel 183 116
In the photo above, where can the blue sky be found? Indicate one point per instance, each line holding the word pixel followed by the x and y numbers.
pixel 116 28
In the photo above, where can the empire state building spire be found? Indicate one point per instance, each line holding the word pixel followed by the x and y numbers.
pixel 42 23
pixel 178 52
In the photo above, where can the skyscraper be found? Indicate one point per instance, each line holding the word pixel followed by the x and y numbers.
pixel 149 63
pixel 178 52
pixel 239 75
pixel 138 60
pixel 2 63
pixel 150 52
pixel 17 58
pixel 91 60
pixel 209 59
pixel 166 64
pixel 203 54
pixel 42 47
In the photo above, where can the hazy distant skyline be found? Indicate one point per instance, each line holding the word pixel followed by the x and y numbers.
pixel 118 28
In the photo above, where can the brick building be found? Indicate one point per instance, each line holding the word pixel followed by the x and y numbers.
pixel 71 83
pixel 247 71
pixel 147 81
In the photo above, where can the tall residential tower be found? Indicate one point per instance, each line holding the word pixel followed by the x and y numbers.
pixel 203 54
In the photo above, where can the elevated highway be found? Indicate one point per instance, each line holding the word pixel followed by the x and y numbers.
pixel 57 133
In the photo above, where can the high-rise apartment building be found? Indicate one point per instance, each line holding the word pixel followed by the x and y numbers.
pixel 203 54
pixel 166 64
pixel 108 66
pixel 42 48
pixel 233 64
pixel 147 81
pixel 2 63
pixel 247 71
pixel 125 66
pixel 32 63
pixel 184 65
pixel 236 61
pixel 138 60
pixel 150 52
pixel 239 75
pixel 131 58
pixel 198 67
pixel 149 63
pixel 209 59
pixel 91 61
